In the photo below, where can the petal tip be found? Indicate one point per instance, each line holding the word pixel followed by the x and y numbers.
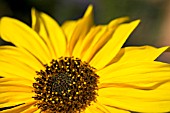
pixel 89 10
pixel 137 21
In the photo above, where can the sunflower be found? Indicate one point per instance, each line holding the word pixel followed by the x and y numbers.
pixel 79 67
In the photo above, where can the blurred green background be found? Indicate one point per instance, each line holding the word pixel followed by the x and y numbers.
pixel 153 14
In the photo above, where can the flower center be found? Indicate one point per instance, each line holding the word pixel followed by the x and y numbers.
pixel 67 85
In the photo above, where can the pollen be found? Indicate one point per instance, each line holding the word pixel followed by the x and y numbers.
pixel 67 85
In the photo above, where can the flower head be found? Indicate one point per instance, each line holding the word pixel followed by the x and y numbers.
pixel 79 67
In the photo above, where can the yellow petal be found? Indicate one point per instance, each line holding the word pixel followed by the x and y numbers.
pixel 117 21
pixel 39 26
pixel 16 68
pixel 38 111
pixel 137 99
pixel 139 73
pixel 158 94
pixel 112 47
pixel 96 42
pixel 88 111
pixel 51 32
pixel 112 109
pixel 93 108
pixel 9 75
pixel 14 98
pixel 140 53
pixel 15 88
pixel 23 36
pixel 101 107
pixel 15 81
pixel 97 38
pixel 19 55
pixel 82 28
pixel 68 28
pixel 20 108
pixel 136 105
pixel 31 109
pixel 86 42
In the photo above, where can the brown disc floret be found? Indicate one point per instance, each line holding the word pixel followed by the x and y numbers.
pixel 66 85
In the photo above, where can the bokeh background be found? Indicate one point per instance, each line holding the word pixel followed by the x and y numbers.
pixel 154 28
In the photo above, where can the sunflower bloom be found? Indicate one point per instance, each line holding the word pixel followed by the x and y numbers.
pixel 79 67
